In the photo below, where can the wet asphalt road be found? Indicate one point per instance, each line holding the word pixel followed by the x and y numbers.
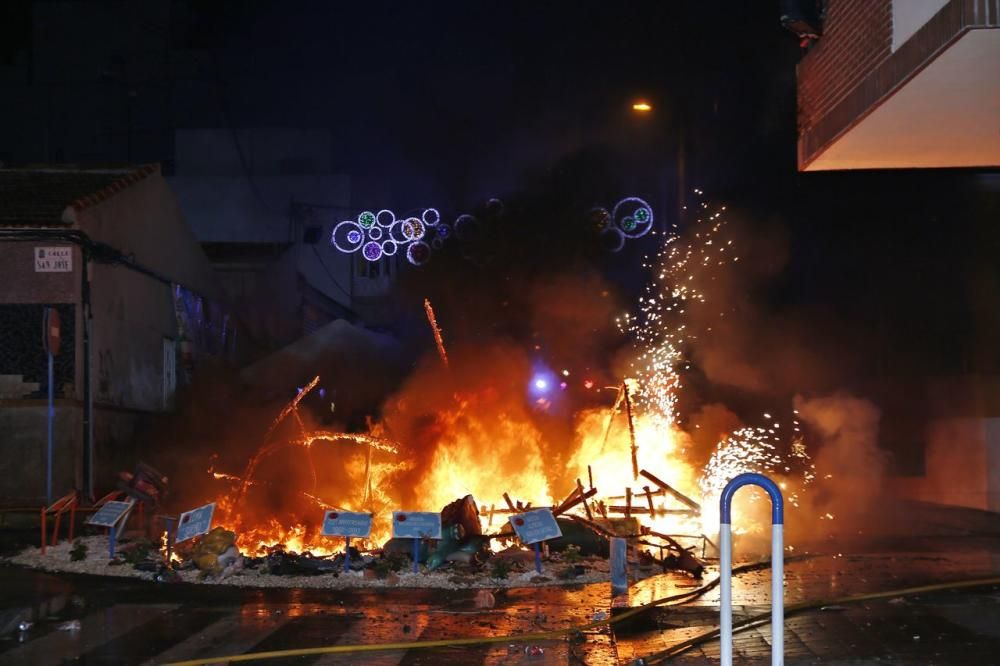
pixel 136 622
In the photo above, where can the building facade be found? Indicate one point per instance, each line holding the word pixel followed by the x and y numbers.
pixel 139 305
pixel 901 84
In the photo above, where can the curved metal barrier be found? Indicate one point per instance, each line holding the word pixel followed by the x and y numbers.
pixel 777 566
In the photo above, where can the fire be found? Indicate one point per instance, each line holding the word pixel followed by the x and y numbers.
pixel 635 452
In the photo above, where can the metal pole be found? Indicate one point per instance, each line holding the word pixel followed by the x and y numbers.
pixel 88 398
pixel 52 414
pixel 347 554
pixel 777 567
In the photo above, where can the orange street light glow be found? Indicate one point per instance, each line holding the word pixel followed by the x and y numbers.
pixel 642 107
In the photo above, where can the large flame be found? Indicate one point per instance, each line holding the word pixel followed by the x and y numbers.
pixel 634 452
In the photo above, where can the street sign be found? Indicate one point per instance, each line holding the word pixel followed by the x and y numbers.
pixel 51 331
pixel 535 526
pixel 194 522
pixel 110 513
pixel 416 524
pixel 347 524
pixel 53 259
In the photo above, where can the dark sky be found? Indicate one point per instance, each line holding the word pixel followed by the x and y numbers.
pixel 448 103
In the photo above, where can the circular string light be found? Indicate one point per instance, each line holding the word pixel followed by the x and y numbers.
pixel 389 247
pixel 372 251
pixel 413 229
pixel 613 239
pixel 633 216
pixel 375 233
pixel 366 219
pixel 418 253
pixel 431 217
pixel 385 217
pixel 347 236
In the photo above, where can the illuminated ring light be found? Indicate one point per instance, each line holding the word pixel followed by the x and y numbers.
pixel 418 253
pixel 431 217
pixel 437 243
pixel 395 233
pixel 413 229
pixel 385 217
pixel 443 231
pixel 372 251
pixel 366 219
pixel 633 216
pixel 375 233
pixel 613 239
pixel 494 206
pixel 466 226
pixel 600 218
pixel 389 248
pixel 347 236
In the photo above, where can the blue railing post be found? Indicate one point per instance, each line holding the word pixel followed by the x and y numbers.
pixel 777 566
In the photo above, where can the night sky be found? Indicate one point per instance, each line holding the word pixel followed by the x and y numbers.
pixel 888 275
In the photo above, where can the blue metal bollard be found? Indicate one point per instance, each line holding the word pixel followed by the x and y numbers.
pixel 777 566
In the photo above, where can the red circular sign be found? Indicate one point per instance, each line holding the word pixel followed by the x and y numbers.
pixel 519 521
pixel 334 515
pixel 401 518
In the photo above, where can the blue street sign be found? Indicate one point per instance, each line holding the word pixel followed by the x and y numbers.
pixel 194 523
pixel 110 513
pixel 416 524
pixel 347 524
pixel 535 526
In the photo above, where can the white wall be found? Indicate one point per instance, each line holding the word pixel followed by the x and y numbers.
pixel 908 16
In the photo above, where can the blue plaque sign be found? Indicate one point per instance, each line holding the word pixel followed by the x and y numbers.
pixel 535 526
pixel 110 513
pixel 347 524
pixel 194 522
pixel 416 524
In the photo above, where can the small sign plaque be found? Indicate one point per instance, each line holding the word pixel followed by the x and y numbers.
pixel 53 259
pixel 194 523
pixel 416 524
pixel 347 524
pixel 535 526
pixel 110 513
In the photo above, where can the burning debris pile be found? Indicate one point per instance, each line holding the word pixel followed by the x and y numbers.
pixel 624 469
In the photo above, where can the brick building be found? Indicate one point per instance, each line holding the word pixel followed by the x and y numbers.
pixel 902 84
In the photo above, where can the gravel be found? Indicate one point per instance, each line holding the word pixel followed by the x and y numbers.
pixel 57 559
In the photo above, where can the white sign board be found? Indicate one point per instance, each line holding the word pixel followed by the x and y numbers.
pixel 53 259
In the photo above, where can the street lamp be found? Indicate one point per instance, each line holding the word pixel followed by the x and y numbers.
pixel 642 107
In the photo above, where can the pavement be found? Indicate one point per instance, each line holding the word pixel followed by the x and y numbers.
pixel 132 621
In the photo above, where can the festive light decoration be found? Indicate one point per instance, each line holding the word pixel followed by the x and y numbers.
pixel 431 217
pixel 633 216
pixel 366 219
pixel 347 236
pixel 600 218
pixel 372 251
pixel 613 239
pixel 418 253
pixel 382 233
pixel 413 229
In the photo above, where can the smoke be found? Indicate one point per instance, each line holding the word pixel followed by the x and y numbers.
pixel 848 462
pixel 752 334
